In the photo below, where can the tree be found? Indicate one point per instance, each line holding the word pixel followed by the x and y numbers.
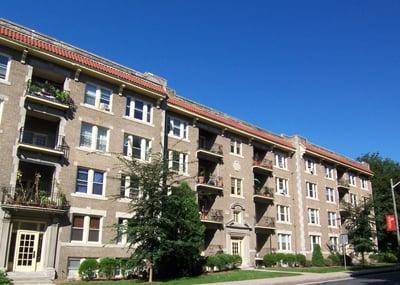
pixel 165 218
pixel 384 169
pixel 317 257
pixel 359 224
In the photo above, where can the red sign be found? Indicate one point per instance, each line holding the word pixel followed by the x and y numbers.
pixel 390 223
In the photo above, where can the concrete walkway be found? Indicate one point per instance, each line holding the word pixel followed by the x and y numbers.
pixel 308 278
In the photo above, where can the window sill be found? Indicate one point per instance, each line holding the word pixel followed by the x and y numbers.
pixel 333 227
pixel 308 172
pixel 277 167
pixel 237 155
pixel 138 121
pixel 5 82
pixel 96 109
pixel 89 196
pixel 236 196
pixel 178 138
pixel 82 244
pixel 313 199
pixel 330 202
pixel 282 195
pixel 314 225
pixel 124 200
pixel 92 151
pixel 284 223
pixel 328 178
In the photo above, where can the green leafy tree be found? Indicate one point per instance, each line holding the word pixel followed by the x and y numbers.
pixel 384 169
pixel 317 257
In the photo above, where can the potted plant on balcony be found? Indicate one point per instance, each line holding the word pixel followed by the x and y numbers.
pixel 212 181
pixel 220 182
pixel 201 177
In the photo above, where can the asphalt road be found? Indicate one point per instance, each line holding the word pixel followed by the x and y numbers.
pixel 379 279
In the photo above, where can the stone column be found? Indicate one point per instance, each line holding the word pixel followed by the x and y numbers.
pixel 5 237
pixel 51 247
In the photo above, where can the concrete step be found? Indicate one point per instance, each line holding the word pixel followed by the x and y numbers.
pixel 29 278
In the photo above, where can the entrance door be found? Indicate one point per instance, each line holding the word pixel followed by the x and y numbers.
pixel 26 250
pixel 236 246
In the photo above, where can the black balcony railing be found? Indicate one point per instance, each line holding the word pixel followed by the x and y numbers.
pixel 211 147
pixel 264 163
pixel 212 215
pixel 266 222
pixel 216 181
pixel 267 192
pixel 47 141
pixel 30 197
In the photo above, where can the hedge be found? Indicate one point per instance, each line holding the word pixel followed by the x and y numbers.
pixel 317 257
pixel 223 261
pixel 290 259
pixel 107 267
pixel 387 257
pixel 87 269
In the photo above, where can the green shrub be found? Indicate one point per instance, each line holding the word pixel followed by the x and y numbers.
pixel 280 257
pixel 328 262
pixel 237 261
pixel 290 259
pixel 335 259
pixel 123 265
pixel 87 269
pixel 4 279
pixel 308 263
pixel 270 259
pixel 317 258
pixel 301 259
pixel 107 267
pixel 223 261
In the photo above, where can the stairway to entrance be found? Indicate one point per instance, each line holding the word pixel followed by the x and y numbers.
pixel 29 278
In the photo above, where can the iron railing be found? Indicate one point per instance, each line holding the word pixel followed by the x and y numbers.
pixel 264 191
pixel 212 215
pixel 213 180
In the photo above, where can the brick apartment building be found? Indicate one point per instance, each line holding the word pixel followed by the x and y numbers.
pixel 257 192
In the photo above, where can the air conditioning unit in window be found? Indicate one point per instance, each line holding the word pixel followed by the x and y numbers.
pixel 104 107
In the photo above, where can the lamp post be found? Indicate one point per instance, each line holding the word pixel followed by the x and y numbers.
pixel 395 210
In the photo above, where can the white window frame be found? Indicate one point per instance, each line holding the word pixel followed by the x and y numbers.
pixel 7 68
pixel 313 212
pixel 97 104
pixel 145 147
pixel 124 236
pixel 312 192
pixel 238 182
pixel 334 243
pixel 183 162
pixel 317 239
pixel 330 194
pixel 283 211
pixel 237 146
pixel 86 228
pixel 311 166
pixel 353 199
pixel 93 139
pixel 352 179
pixel 132 105
pixel 284 239
pixel 76 275
pixel 239 242
pixel 363 181
pixel 128 188
pixel 90 181
pixel 285 184
pixel 183 128
pixel 281 160
pixel 332 219
pixel 237 217
pixel 329 172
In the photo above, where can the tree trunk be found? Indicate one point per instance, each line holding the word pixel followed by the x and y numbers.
pixel 151 274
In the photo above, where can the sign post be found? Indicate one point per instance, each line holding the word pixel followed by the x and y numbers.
pixel 344 239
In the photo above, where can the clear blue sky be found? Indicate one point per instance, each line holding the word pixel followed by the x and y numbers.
pixel 327 70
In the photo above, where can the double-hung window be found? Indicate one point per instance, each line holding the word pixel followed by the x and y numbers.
pixel 98 97
pixel 89 181
pixel 334 243
pixel 281 160
pixel 314 239
pixel 85 228
pixel 282 186
pixel 330 194
pixel 352 179
pixel 129 187
pixel 283 214
pixel 311 166
pixel 94 137
pixel 329 172
pixel 237 217
pixel 353 200
pixel 77 227
pixel 139 110
pixel 236 146
pixel 236 187
pixel 178 128
pixel 284 242
pixel 312 190
pixel 178 161
pixel 313 216
pixel 364 182
pixel 4 67
pixel 137 147
pixel 121 231
pixel 332 219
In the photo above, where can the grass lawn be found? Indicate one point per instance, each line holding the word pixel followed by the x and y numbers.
pixel 236 275
pixel 333 268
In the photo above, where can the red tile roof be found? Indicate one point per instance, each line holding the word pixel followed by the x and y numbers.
pixel 236 124
pixel 78 58
pixel 339 158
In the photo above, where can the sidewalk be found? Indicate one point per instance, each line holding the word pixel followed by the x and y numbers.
pixel 308 277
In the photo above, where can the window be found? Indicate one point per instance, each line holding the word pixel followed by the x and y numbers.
pixel 281 160
pixel 313 216
pixel 352 179
pixel 330 195
pixel 129 187
pixel 93 137
pixel 332 219
pixel 284 242
pixel 178 161
pixel 364 182
pixel 283 213
pixel 237 217
pixel 94 229
pixel 311 167
pixel 178 128
pixel 77 228
pixel 315 240
pixel 90 181
pixel 353 200
pixel 4 67
pixel 98 97
pixel 282 186
pixel 329 172
pixel 85 228
pixel 236 187
pixel 312 190
pixel 121 231
pixel 334 243
pixel 137 147
pixel 236 246
pixel 139 110
pixel 236 146
pixel 73 267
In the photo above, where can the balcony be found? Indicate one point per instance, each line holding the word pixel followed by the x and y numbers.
pixel 263 194
pixel 48 94
pixel 265 224
pixel 212 185
pixel 43 142
pixel 343 184
pixel 262 166
pixel 210 151
pixel 212 217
